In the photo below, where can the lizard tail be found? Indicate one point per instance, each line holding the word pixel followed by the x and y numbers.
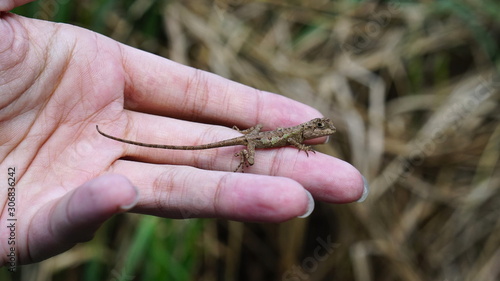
pixel 166 146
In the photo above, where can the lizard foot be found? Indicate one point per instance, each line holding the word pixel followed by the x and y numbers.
pixel 244 160
pixel 301 146
pixel 306 149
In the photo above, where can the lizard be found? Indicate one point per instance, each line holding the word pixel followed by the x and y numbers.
pixel 254 138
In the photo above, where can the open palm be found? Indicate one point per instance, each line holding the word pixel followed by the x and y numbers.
pixel 58 81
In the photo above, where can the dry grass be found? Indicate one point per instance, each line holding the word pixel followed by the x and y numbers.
pixel 414 93
pixel 414 96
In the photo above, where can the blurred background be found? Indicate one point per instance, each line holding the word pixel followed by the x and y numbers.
pixel 413 91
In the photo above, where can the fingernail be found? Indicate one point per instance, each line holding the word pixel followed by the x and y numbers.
pixel 366 190
pixel 310 205
pixel 132 204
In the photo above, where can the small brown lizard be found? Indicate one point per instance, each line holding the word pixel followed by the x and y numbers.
pixel 253 138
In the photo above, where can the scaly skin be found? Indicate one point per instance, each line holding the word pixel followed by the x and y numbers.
pixel 253 138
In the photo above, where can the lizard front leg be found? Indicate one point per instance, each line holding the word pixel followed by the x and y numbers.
pixel 301 146
pixel 247 157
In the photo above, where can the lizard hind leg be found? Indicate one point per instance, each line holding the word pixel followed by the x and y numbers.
pixel 252 130
pixel 247 156
pixel 246 160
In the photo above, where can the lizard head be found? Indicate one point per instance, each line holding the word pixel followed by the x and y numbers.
pixel 318 127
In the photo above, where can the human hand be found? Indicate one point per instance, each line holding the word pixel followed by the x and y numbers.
pixel 58 81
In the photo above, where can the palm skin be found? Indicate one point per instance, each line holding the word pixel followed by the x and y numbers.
pixel 58 81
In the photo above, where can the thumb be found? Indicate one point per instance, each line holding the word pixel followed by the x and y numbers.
pixel 76 216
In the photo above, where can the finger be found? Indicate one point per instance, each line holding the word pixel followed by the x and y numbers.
pixel 6 6
pixel 75 217
pixel 186 192
pixel 329 179
pixel 160 86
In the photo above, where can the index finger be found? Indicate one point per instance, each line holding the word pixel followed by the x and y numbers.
pixel 160 86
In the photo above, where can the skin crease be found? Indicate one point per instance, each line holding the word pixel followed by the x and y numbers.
pixel 58 81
